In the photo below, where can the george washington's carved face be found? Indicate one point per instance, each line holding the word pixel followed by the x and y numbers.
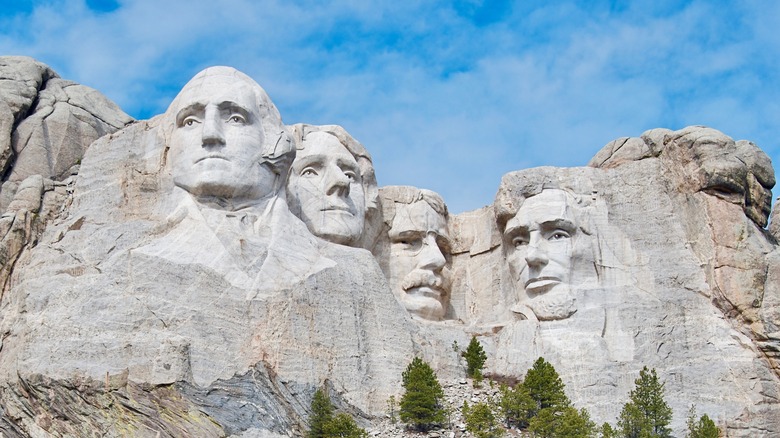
pixel 217 144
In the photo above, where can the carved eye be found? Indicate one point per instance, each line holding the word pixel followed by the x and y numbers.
pixel 309 171
pixel 559 235
pixel 519 241
pixel 237 119
pixel 410 244
pixel 189 121
pixel 351 175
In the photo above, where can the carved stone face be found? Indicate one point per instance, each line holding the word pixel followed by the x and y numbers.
pixel 217 143
pixel 539 241
pixel 419 252
pixel 325 189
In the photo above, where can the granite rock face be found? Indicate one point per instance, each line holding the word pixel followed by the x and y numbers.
pixel 202 273
pixel 46 125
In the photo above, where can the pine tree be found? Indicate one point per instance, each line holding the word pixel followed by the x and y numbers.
pixel 322 423
pixel 516 405
pixel 545 386
pixel 420 405
pixel 475 359
pixel 646 414
pixel 321 415
pixel 704 428
pixel 343 426
pixel 575 424
pixel 564 423
pixel 481 421
pixel 607 431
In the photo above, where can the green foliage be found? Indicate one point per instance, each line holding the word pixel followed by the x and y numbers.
pixel 704 428
pixel 516 405
pixel 322 423
pixel 481 421
pixel 574 424
pixel 420 405
pixel 475 358
pixel 646 414
pixel 607 431
pixel 343 426
pixel 567 422
pixel 545 386
pixel 541 404
pixel 321 414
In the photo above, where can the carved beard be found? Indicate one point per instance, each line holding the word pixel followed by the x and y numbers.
pixel 558 303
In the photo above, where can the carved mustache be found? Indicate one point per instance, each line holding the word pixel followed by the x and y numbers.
pixel 421 278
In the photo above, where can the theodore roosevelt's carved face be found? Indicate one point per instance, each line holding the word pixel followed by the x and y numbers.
pixel 539 241
pixel 419 253
pixel 325 189
pixel 217 144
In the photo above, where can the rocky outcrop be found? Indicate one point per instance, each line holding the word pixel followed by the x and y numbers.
pixel 46 125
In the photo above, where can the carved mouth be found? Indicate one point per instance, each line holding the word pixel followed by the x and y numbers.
pixel 342 208
pixel 539 284
pixel 211 156
pixel 426 291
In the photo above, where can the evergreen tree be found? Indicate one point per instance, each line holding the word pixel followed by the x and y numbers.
pixel 545 386
pixel 321 415
pixel 607 431
pixel 475 359
pixel 562 423
pixel 516 405
pixel 322 423
pixel 575 424
pixel 420 405
pixel 481 421
pixel 646 414
pixel 343 426
pixel 704 428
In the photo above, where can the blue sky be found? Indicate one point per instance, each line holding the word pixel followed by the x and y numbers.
pixel 445 95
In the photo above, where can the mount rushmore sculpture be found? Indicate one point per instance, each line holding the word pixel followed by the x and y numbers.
pixel 203 272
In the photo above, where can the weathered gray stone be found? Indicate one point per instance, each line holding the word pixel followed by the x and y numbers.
pixel 46 123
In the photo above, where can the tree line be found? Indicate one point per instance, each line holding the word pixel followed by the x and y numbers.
pixel 538 404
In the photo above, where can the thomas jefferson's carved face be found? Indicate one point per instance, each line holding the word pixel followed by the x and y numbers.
pixel 325 189
pixel 216 148
pixel 419 251
pixel 539 241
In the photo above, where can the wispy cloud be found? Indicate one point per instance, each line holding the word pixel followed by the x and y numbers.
pixel 447 96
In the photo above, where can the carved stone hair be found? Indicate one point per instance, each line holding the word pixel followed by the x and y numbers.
pixel 516 187
pixel 390 195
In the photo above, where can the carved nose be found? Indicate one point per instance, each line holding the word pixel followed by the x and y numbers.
pixel 431 256
pixel 337 183
pixel 536 253
pixel 212 134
